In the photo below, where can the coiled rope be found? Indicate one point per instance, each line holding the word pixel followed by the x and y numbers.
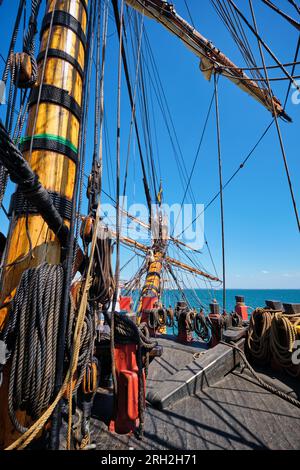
pixel 103 284
pixel 282 339
pixel 29 40
pixel 33 431
pixel 202 327
pixel 258 340
pixel 271 336
pixel 32 328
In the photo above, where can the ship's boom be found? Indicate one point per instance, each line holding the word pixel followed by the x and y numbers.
pixel 212 59
pixel 178 264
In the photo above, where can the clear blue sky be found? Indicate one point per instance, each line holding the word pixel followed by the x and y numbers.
pixel 262 241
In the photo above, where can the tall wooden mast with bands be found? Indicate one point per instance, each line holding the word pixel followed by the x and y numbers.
pixel 51 148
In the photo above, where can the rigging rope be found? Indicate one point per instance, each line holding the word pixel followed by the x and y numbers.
pixel 297 8
pixel 104 43
pixel 293 70
pixel 287 74
pixel 117 268
pixel 158 88
pixel 84 122
pixel 73 236
pixel 29 40
pixel 29 184
pixel 233 24
pixel 196 158
pixel 276 119
pixel 32 432
pixel 283 14
pixel 126 330
pixel 258 340
pixel 133 111
pixel 189 13
pixel 103 284
pixel 124 58
pixel 94 190
pixel 3 170
pixel 31 334
pixel 221 190
pixel 241 166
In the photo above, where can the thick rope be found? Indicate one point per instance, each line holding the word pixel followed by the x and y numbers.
pixel 33 431
pixel 271 336
pixel 258 340
pixel 283 335
pixel 29 40
pixel 32 328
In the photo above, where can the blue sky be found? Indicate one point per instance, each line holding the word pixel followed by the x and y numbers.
pixel 262 241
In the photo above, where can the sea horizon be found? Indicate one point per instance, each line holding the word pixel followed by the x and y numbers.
pixel 201 298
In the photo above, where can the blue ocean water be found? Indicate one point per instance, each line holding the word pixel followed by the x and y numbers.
pixel 253 297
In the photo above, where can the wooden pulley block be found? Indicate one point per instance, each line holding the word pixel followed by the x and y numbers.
pixel 76 291
pixel 22 60
pixel 78 264
pixel 86 230
pixel 90 378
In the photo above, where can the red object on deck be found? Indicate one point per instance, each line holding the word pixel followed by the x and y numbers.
pixel 145 319
pixel 125 304
pixel 127 409
pixel 148 303
pixel 242 310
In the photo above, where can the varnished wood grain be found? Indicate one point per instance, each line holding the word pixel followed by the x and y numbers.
pixel 56 120
pixel 55 171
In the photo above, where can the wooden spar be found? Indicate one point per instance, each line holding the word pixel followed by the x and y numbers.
pixel 211 57
pixel 145 249
pixel 147 226
pixel 191 269
pixel 56 171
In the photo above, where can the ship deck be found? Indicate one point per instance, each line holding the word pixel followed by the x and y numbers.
pixel 233 413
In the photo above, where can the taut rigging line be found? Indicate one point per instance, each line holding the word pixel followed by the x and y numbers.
pixel 146 186
pixel 286 73
pixel 283 14
pixel 276 119
pixel 221 189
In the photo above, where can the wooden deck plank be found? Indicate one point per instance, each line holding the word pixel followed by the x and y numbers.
pixel 233 414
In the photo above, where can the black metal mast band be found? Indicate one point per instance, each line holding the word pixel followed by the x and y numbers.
pixel 50 145
pixel 62 18
pixel 55 95
pixel 154 273
pixel 83 2
pixel 21 206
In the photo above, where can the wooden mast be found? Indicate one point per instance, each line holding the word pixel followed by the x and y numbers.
pixel 153 277
pixel 54 157
pixel 173 262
